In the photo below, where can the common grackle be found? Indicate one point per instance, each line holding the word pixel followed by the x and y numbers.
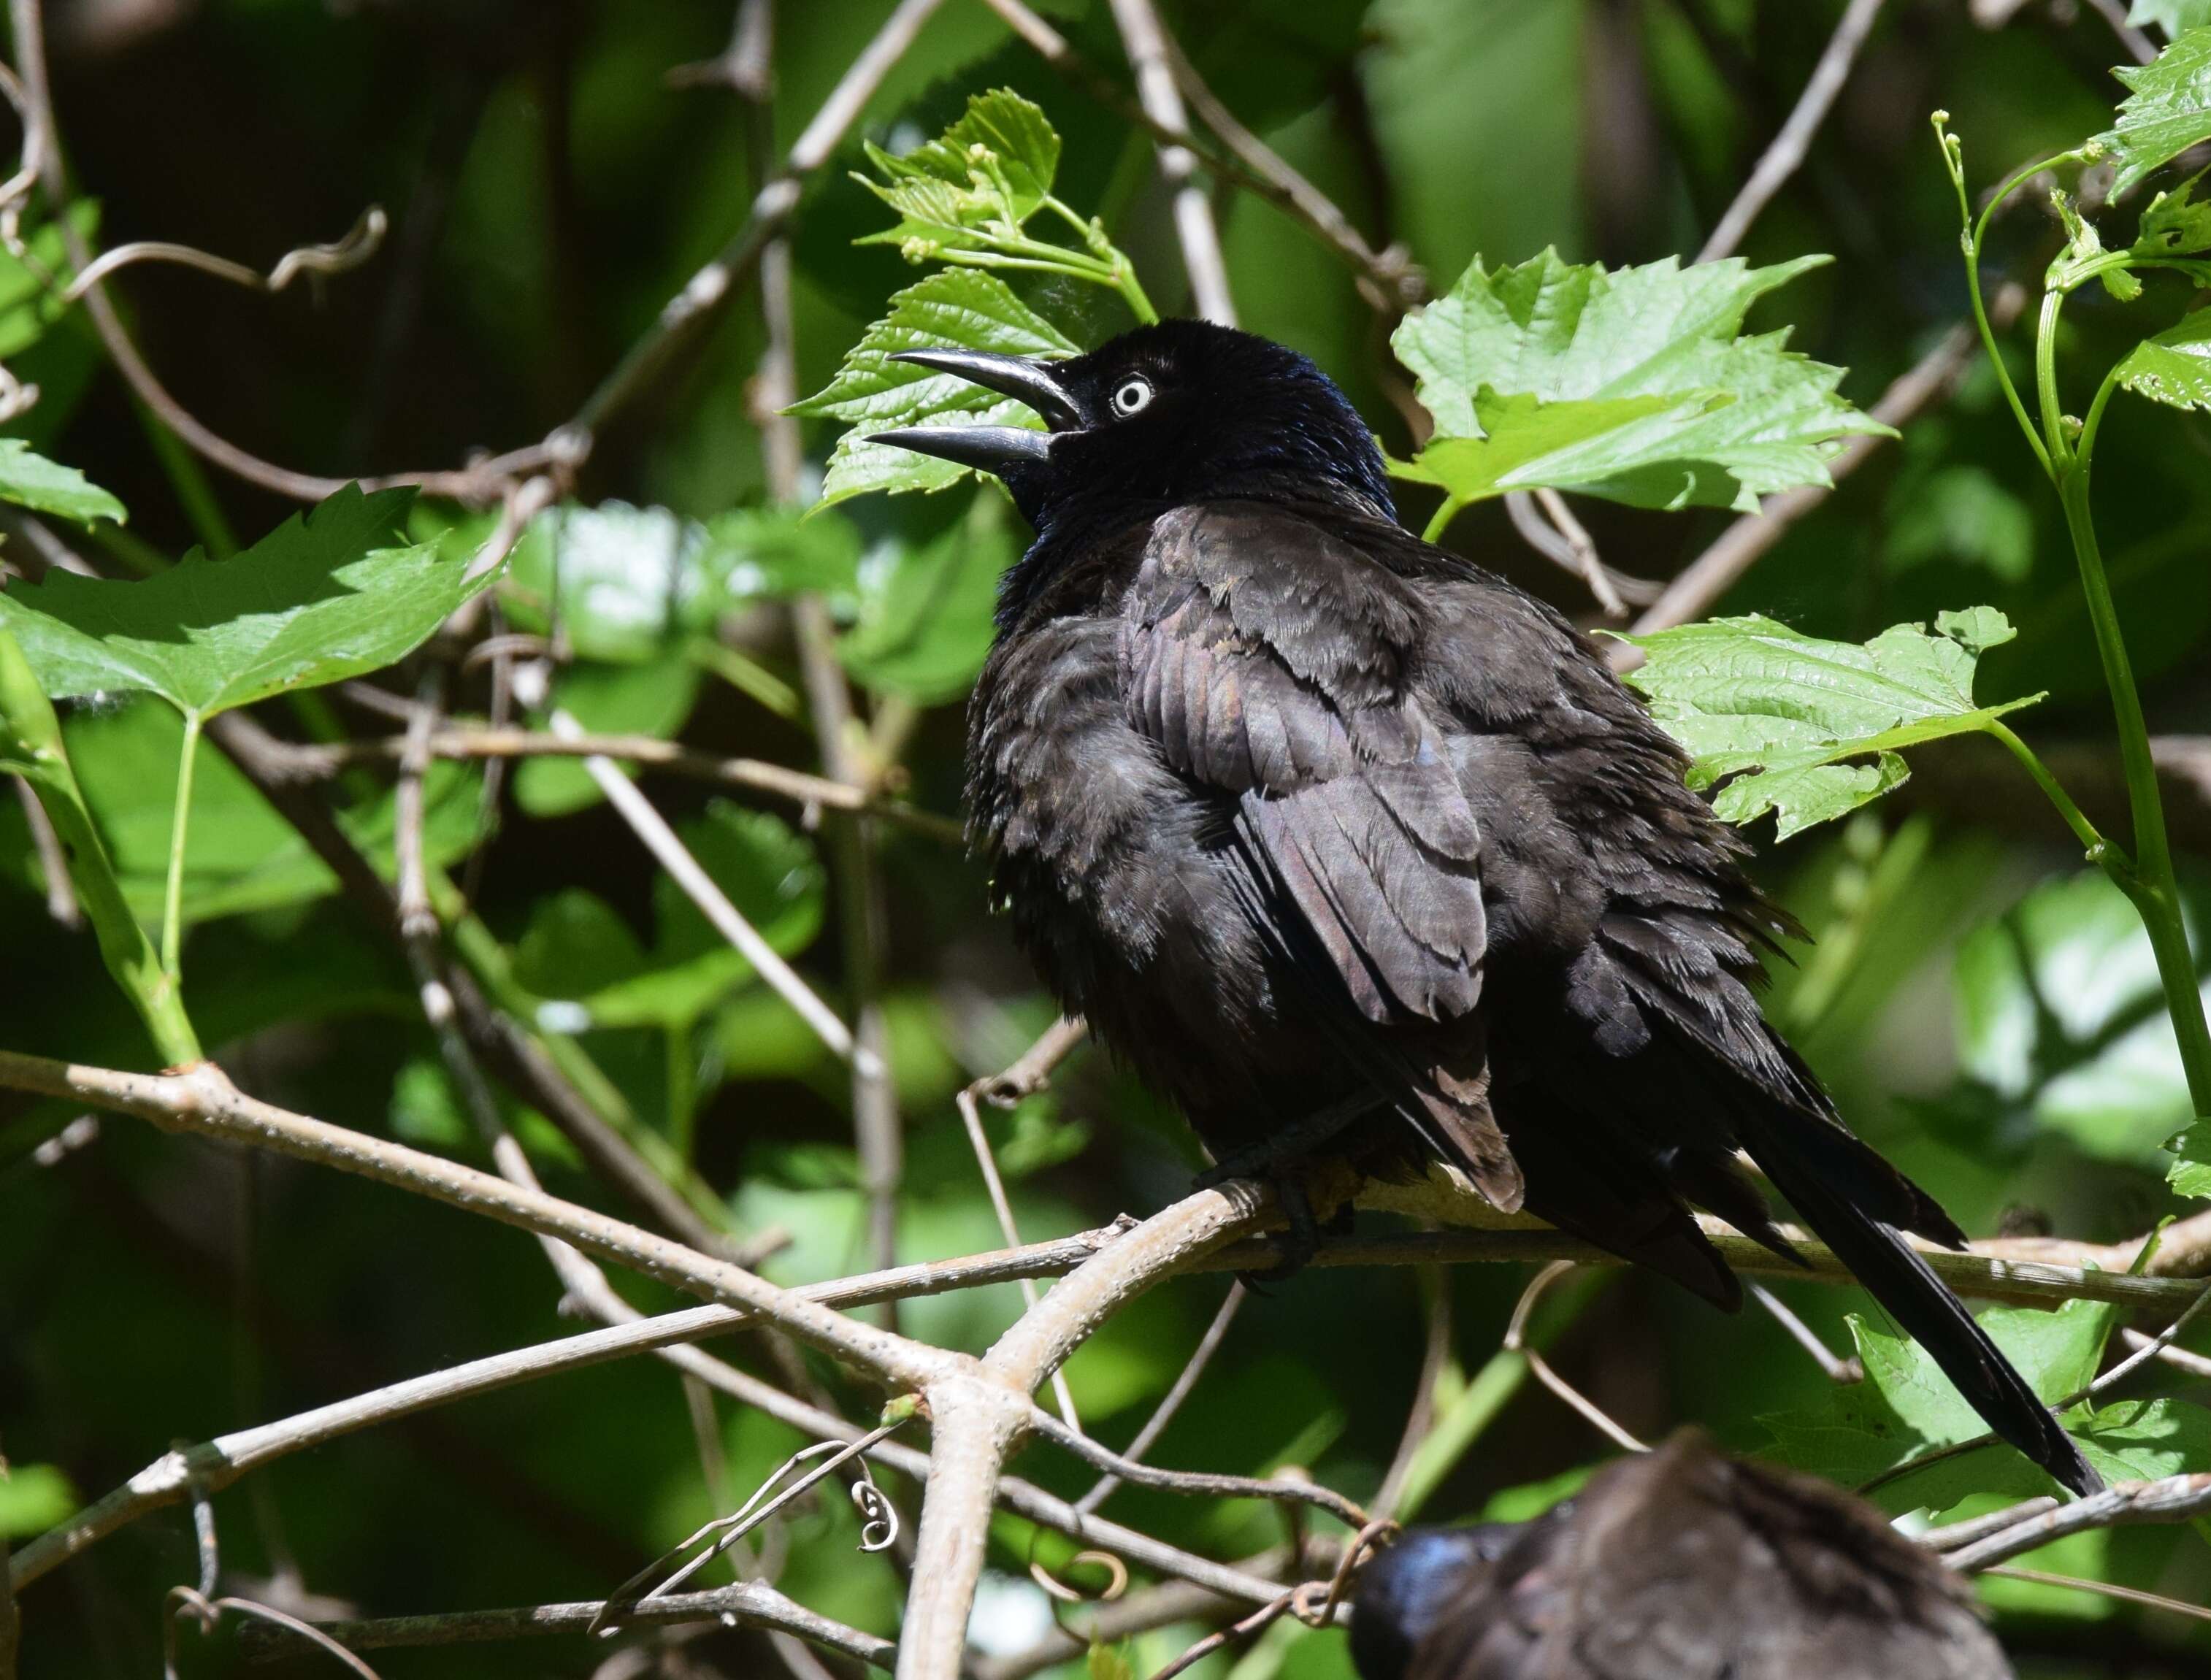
pixel 1346 845
pixel 1681 1564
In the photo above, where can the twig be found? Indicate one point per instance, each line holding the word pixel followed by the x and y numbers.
pixel 1171 1402
pixel 743 1603
pixel 650 827
pixel 1951 1536
pixel 1516 1341
pixel 2139 46
pixel 2179 1358
pixel 466 741
pixel 1786 154
pixel 360 242
pixel 2133 1595
pixel 54 862
pixel 1200 1484
pixel 1260 1619
pixel 1547 525
pixel 1145 40
pixel 979 1141
pixel 2174 1499
pixel 1249 162
pixel 1837 1369
pixel 1700 584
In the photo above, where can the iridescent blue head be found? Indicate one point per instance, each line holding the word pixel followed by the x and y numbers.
pixel 1170 414
pixel 1405 1592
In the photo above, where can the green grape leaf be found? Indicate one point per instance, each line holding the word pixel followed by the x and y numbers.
pixel 2168 110
pixel 2174 366
pixel 1906 1407
pixel 2190 1172
pixel 2177 222
pixel 972 187
pixel 31 480
pixel 1635 384
pixel 1811 729
pixel 623 581
pixel 327 594
pixel 958 307
pixel 925 621
pixel 2171 15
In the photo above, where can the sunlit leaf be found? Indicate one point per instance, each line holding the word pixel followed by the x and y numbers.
pixel 2171 15
pixel 1906 1407
pixel 622 581
pixel 959 307
pixel 973 186
pixel 47 487
pixel 2174 367
pixel 2168 111
pixel 1811 729
pixel 2177 222
pixel 327 594
pixel 1634 384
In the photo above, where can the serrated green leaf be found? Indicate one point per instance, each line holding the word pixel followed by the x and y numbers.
pixel 1632 384
pixel 31 480
pixel 2168 110
pixel 1779 716
pixel 1906 1407
pixel 2174 367
pixel 317 600
pixel 973 186
pixel 960 307
pixel 926 622
pixel 2176 223
pixel 2172 16
pixel 2190 1172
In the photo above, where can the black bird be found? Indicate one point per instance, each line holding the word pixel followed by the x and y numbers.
pixel 1345 844
pixel 1681 1564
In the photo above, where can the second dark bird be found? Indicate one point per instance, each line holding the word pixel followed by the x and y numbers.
pixel 1338 838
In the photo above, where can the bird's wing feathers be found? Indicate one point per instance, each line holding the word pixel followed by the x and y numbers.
pixel 1267 659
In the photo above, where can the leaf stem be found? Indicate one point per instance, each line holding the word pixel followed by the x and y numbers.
pixel 2101 850
pixel 172 900
pixel 31 746
pixel 1437 525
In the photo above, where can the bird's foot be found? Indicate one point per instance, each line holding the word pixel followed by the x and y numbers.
pixel 1267 1157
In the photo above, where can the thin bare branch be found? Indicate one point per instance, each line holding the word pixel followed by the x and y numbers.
pixel 360 242
pixel 1786 154
pixel 54 862
pixel 466 742
pixel 661 840
pixel 1169 1403
pixel 1838 1368
pixel 1516 1341
pixel 2140 47
pixel 1204 1484
pixel 2104 1589
pixel 1145 40
pixel 2174 1499
pixel 741 1605
pixel 986 1163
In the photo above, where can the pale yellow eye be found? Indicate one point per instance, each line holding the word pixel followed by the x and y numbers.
pixel 1132 396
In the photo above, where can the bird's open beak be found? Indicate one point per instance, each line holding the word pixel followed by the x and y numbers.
pixel 991 449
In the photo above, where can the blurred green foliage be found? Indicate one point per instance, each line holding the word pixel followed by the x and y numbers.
pixel 1987 1013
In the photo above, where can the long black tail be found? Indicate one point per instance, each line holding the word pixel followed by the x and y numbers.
pixel 1818 1167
